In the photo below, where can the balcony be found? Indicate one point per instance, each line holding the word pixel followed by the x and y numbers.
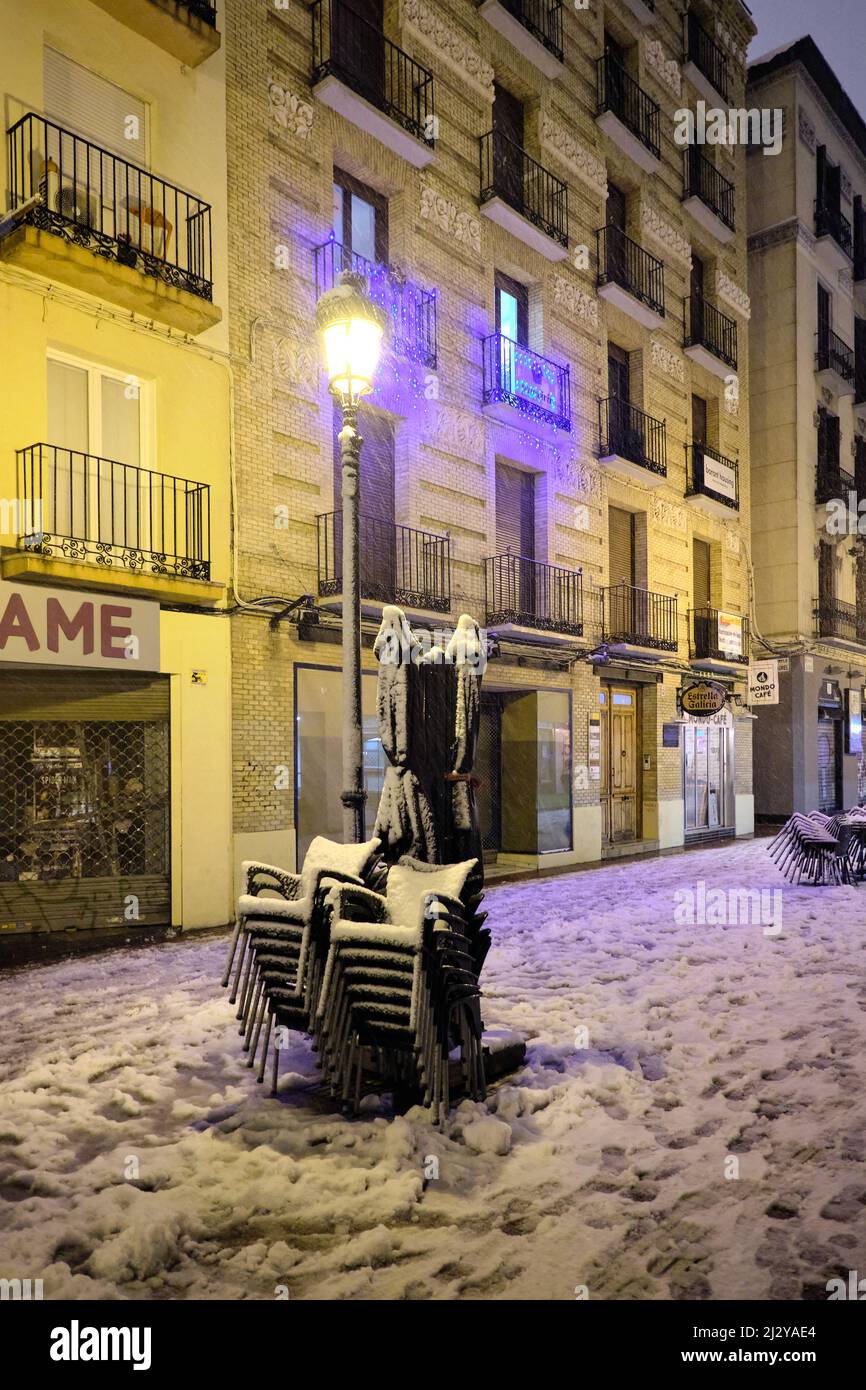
pixel 834 363
pixel 718 641
pixel 630 278
pixel 859 235
pixel 87 218
pixel 627 115
pixel 184 28
pixel 522 387
pixel 710 338
pixel 633 617
pixel 411 310
pixel 94 520
pixel 841 621
pixel 859 362
pixel 522 593
pixel 832 480
pixel 705 65
pixel 712 481
pixel 708 196
pixel 373 83
pixel 398 564
pixel 522 196
pixel 834 237
pixel 533 27
pixel 643 10
pixel 631 442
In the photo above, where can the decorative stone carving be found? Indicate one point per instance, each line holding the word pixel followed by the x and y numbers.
pixel 665 236
pixel 806 130
pixel 454 432
pixel 447 217
pixel 579 158
pixel 665 70
pixel 732 539
pixel 290 112
pixel 846 282
pixel 669 514
pixel 576 301
pixel 726 40
pixel 668 361
pixel 296 362
pixel 732 396
pixel 731 294
pixel 791 230
pixel 424 22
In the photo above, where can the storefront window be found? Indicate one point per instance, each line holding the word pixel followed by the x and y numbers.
pixel 554 770
pixel 319 757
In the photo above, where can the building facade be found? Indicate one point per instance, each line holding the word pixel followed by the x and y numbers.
pixel 115 430
pixel 557 442
pixel 807 274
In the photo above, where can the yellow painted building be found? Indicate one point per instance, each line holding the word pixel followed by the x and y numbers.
pixel 115 439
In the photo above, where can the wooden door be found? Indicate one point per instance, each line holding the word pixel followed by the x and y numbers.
pixel 508 171
pixel 358 46
pixel 615 234
pixel 619 781
pixel 515 535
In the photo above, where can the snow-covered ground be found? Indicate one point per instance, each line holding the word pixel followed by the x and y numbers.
pixel 703 1138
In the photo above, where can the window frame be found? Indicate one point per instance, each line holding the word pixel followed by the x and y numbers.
pixel 96 372
pixel 352 187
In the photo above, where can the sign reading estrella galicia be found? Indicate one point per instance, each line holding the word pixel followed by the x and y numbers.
pixel 65 627
pixel 704 697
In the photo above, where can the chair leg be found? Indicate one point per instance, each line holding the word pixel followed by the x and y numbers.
pixel 276 1069
pixel 234 994
pixel 232 948
pixel 261 1076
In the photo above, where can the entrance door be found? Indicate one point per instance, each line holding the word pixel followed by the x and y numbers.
pixel 358 47
pixel 707 767
pixel 619 749
pixel 508 171
pixel 615 239
pixel 829 764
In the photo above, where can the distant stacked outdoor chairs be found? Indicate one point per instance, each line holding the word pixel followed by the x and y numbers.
pixel 822 849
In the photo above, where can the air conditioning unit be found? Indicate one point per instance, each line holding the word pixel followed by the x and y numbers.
pixel 77 203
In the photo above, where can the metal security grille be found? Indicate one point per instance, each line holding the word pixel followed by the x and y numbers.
pixel 488 768
pixel 84 823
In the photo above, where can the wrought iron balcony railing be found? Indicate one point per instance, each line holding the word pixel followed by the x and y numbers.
pixel 838 619
pixel 710 640
pixel 831 221
pixel 200 9
pixel 703 180
pixel 860 368
pixel 532 594
pixel 519 377
pixel 630 433
pixel 636 617
pixel 706 55
pixel 623 262
pixel 93 198
pixel 509 173
pixel 82 507
pixel 542 19
pixel 411 310
pixel 834 355
pixel 619 93
pixel 859 234
pixel 832 480
pixel 348 47
pixel 398 563
pixel 706 326
pixel 710 474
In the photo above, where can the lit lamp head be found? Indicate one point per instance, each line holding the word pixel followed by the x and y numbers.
pixel 350 326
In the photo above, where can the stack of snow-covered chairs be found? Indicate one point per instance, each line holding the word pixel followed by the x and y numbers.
pixel 280 941
pixel 400 989
pixel 852 836
pixel 809 847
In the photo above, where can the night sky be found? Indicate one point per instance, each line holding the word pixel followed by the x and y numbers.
pixel 837 26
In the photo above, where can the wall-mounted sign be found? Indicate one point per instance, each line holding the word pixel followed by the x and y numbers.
pixel 764 683
pixel 703 698
pixel 66 627
pixel 594 749
pixel 670 736
pixel 730 634
pixel 720 478
pixel 853 721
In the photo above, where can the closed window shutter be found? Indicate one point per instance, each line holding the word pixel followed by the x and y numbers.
pixel 702 574
pixel 826 576
pixel 515 511
pixel 621 538
pixel 89 105
pixel 377 466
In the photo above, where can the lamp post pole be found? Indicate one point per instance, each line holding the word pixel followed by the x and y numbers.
pixel 353 795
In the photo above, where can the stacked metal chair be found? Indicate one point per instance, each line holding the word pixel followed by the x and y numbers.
pixel 809 846
pixel 851 832
pixel 400 989
pixel 283 938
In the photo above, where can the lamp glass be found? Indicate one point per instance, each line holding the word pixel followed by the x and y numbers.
pixel 352 351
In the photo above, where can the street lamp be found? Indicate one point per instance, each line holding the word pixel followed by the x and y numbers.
pixel 350 327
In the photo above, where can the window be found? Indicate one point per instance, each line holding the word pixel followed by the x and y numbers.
pixel 82 101
pixel 512 309
pixel 515 511
pixel 94 410
pixel 360 219
pixel 699 420
pixel 701 573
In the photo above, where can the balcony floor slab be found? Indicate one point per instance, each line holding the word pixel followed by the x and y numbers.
pixel 711 506
pixel 703 86
pixel 339 97
pixel 707 219
pixel 535 635
pixel 517 34
pixel 504 215
pixel 834 381
pixel 629 303
pixel 617 131
pixel 709 361
pixel 635 472
pixel 44 569
pixel 831 254
pixel 507 414
pixel 51 256
pixel 189 39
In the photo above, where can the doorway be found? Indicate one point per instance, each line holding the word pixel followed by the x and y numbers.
pixel 618 708
pixel 829 761
pixel 708 777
